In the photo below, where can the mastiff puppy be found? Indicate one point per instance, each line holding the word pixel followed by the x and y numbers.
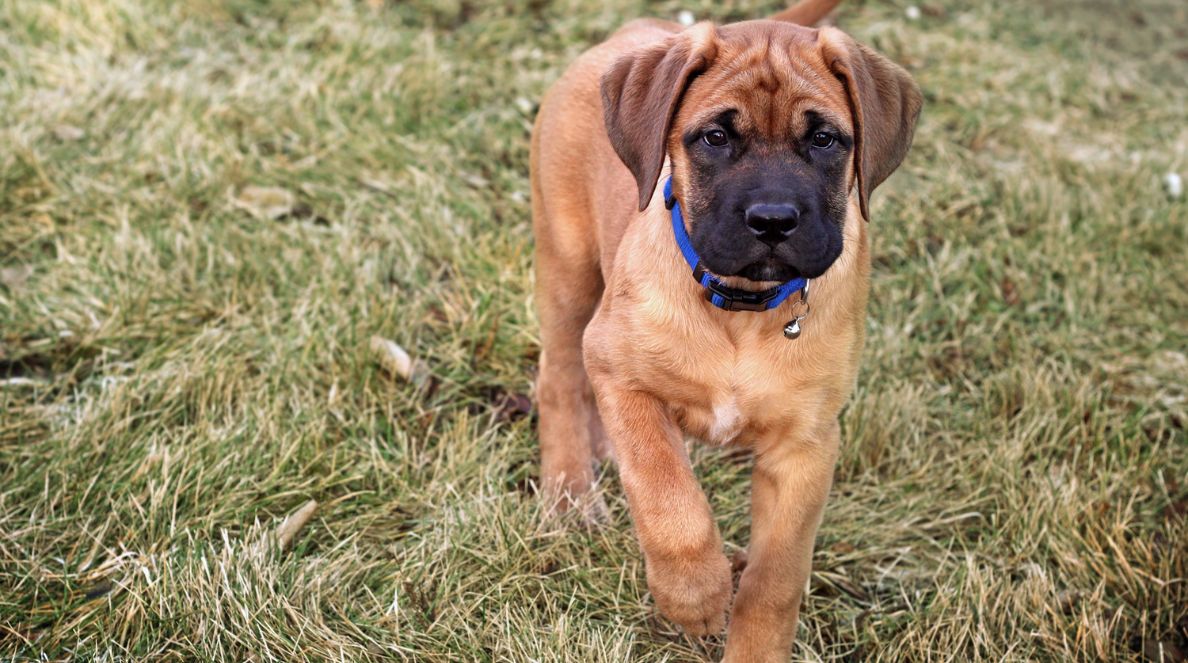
pixel 691 188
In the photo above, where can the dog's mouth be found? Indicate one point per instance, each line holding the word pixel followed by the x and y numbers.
pixel 769 269
pixel 763 266
pixel 727 252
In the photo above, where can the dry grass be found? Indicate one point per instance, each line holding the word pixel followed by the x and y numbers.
pixel 181 368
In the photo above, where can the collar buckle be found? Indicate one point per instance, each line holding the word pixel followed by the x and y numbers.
pixel 733 299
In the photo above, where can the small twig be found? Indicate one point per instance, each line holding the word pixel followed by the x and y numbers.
pixel 292 525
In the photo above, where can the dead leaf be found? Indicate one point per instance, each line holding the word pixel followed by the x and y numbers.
pixel 1162 651
pixel 266 202
pixel 513 406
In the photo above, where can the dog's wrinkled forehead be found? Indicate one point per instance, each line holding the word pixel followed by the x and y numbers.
pixel 770 76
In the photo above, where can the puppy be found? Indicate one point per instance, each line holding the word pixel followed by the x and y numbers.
pixel 691 187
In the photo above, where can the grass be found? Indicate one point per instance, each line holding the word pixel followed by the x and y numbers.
pixel 179 369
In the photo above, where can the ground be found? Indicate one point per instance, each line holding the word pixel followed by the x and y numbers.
pixel 208 208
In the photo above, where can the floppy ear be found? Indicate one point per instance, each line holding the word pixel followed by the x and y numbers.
pixel 640 94
pixel 884 105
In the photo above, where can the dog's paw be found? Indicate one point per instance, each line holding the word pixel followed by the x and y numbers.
pixel 694 593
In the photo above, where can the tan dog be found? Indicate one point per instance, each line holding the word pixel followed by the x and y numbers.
pixel 775 135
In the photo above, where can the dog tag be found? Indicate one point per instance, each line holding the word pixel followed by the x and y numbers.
pixel 792 329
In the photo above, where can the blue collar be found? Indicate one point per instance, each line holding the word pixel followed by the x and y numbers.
pixel 718 293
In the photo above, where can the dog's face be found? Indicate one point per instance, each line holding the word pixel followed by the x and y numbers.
pixel 761 153
pixel 768 127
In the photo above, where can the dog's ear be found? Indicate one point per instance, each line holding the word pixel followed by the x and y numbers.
pixel 884 105
pixel 640 95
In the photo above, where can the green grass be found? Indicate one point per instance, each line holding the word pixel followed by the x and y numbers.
pixel 177 374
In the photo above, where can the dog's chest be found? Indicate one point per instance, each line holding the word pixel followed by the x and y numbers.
pixel 726 422
pixel 729 404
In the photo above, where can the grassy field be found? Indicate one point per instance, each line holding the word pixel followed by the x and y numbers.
pixel 208 208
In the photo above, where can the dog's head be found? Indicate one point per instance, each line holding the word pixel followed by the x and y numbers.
pixel 769 126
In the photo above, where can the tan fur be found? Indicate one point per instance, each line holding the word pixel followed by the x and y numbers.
pixel 625 326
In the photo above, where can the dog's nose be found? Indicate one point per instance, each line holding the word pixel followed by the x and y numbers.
pixel 773 223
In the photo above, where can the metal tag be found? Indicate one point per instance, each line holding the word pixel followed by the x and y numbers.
pixel 792 329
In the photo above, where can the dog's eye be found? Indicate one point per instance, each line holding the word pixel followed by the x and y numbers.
pixel 716 138
pixel 822 140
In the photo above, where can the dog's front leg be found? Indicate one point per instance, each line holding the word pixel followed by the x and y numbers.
pixel 790 484
pixel 688 574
